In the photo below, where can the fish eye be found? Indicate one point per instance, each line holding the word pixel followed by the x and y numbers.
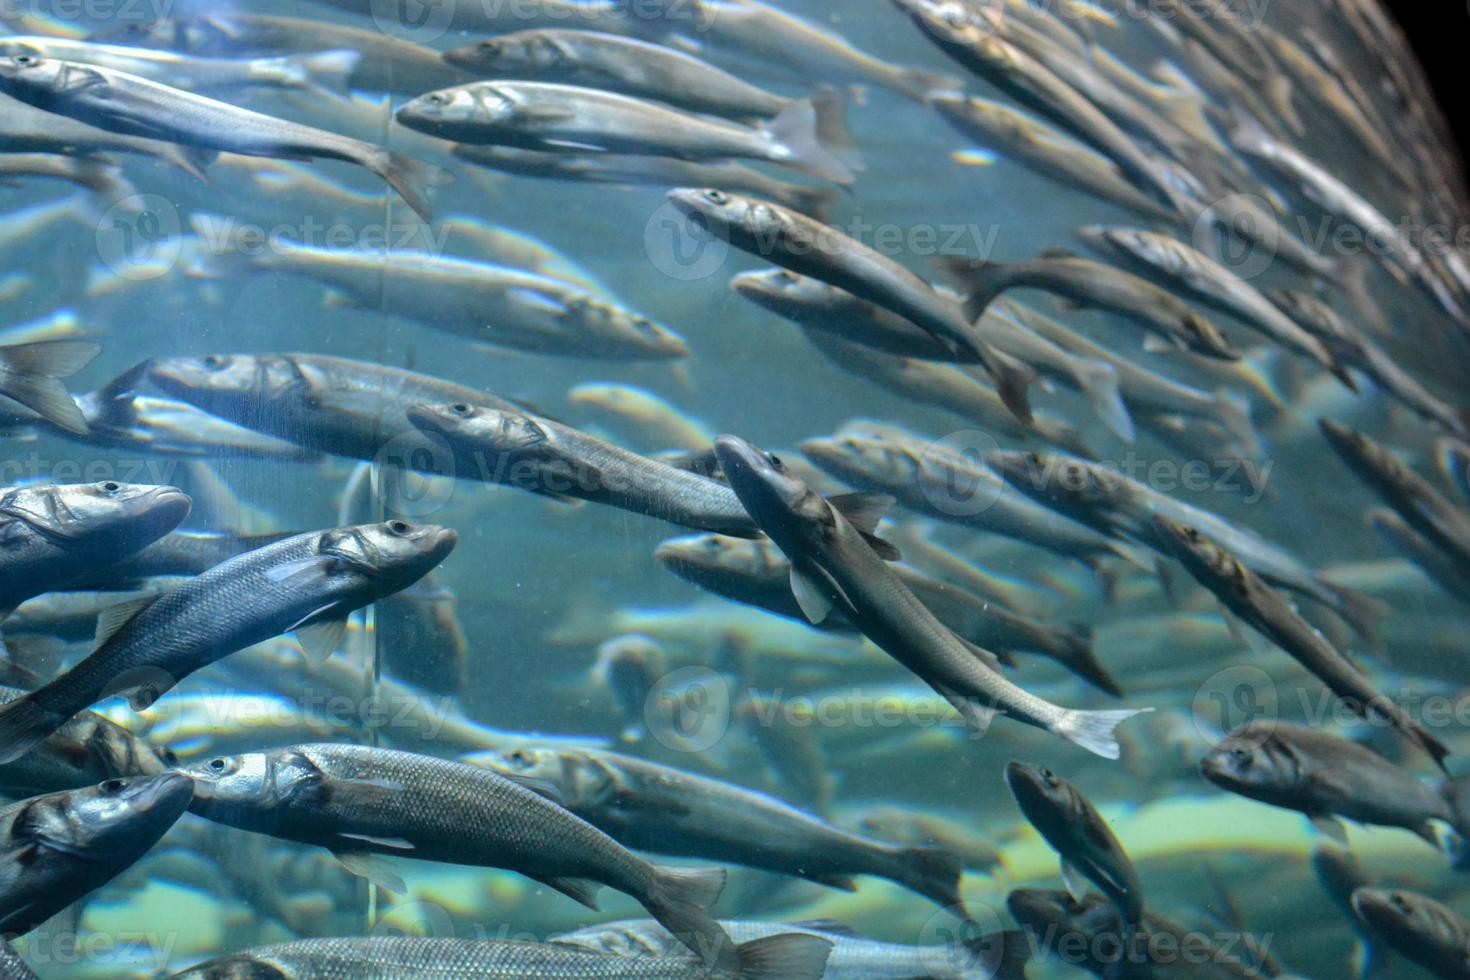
pixel 112 787
pixel 213 362
pixel 1242 757
pixel 1050 778
pixel 400 527
pixel 1399 902
pixel 169 756
pixel 109 487
pixel 216 765
pixel 437 98
pixel 27 60
pixel 519 758
pixel 717 197
pixel 460 408
pixel 774 460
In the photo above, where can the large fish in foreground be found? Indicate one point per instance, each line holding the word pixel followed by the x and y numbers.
pixel 51 535
pixel 797 955
pixel 121 103
pixel 1424 931
pixel 56 849
pixel 359 801
pixel 309 583
pixel 832 566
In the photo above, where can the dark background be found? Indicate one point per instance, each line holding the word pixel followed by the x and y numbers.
pixel 1438 29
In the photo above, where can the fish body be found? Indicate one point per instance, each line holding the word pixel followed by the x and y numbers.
pixel 52 534
pixel 123 103
pixel 1419 928
pixel 798 956
pixel 542 456
pixel 307 580
pixel 832 565
pixel 1324 777
pixel 808 247
pixel 357 801
pixel 549 116
pixel 651 807
pixel 59 847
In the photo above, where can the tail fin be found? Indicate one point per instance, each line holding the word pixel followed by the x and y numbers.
pixel 918 84
pixel 1099 382
pixel 794 141
pixel 788 956
pixel 832 129
pixel 1361 612
pixel 1012 378
pixel 191 160
pixel 410 178
pixel 982 282
pixel 29 374
pixel 998 955
pixel 679 898
pixel 1234 411
pixel 24 724
pixel 933 872
pixel 1093 730
pixel 325 72
pixel 815 202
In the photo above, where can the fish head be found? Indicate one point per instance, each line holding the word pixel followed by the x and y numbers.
pixel 462 112
pixel 117 818
pixel 492 429
pixel 393 555
pixel 1205 335
pixel 1047 800
pixel 1060 481
pixel 774 498
pixel 547 770
pixel 1404 917
pixel 224 384
pixel 861 455
pixel 632 662
pixel 781 291
pixel 1253 762
pixel 40 81
pixel 121 753
pixel 111 517
pixel 255 784
pixel 525 54
pixel 1199 552
pixel 1045 910
pixel 611 325
pixel 698 555
pixel 1357 450
pixel 716 212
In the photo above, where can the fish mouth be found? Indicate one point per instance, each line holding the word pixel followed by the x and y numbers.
pixel 169 502
pixel 166 794
pixel 444 540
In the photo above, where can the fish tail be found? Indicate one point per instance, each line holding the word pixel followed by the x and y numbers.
pixel 788 956
pixel 679 898
pixel 1012 378
pixel 933 872
pixel 981 280
pixel 998 955
pixel 832 130
pixel 1099 382
pixel 1093 730
pixel 794 136
pixel 327 72
pixel 24 724
pixel 29 374
pixel 921 85
pixel 1234 413
pixel 410 178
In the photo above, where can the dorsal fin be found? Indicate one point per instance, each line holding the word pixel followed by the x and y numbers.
pixel 116 617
